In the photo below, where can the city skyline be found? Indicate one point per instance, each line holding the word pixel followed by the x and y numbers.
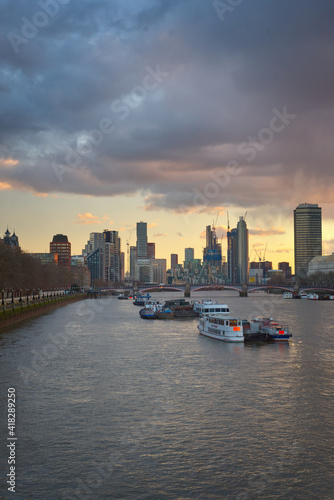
pixel 166 112
pixel 210 235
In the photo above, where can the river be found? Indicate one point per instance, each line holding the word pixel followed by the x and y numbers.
pixel 110 406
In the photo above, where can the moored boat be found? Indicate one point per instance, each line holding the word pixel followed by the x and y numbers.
pixel 208 307
pixel 225 328
pixel 164 313
pixel 141 299
pixel 270 329
pixel 287 295
pixel 122 296
pixel 181 308
pixel 149 311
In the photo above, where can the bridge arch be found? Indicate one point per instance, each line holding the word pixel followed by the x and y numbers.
pixel 159 288
pixel 270 287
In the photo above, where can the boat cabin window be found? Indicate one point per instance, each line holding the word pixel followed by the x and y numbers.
pixel 233 322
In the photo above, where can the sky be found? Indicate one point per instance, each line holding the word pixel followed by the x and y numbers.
pixel 179 114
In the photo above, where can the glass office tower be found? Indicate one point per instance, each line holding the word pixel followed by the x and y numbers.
pixel 308 236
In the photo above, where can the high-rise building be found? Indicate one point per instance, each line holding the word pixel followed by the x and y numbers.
pixel 209 236
pixel 142 240
pixel 93 253
pixel 286 268
pixel 122 265
pixel 159 270
pixel 144 270
pixel 174 260
pixel 151 250
pixel 95 265
pixel 61 246
pixel 212 254
pixel 96 240
pixel 133 257
pixel 189 254
pixel 232 255
pixel 243 261
pixel 308 236
pixel 112 256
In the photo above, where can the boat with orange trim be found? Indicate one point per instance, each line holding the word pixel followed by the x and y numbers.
pixel 225 328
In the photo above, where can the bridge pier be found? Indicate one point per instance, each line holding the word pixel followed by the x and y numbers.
pixel 187 291
pixel 244 291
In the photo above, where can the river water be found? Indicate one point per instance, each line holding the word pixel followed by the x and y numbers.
pixel 110 406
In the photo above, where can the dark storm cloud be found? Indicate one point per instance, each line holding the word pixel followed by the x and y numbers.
pixel 111 97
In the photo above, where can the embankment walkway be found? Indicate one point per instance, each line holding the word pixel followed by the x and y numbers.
pixel 10 314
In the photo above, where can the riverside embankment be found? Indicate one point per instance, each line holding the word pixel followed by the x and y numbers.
pixel 13 313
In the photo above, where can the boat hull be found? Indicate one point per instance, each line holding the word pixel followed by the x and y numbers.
pixel 162 315
pixel 148 316
pixel 280 338
pixel 219 337
pixel 225 330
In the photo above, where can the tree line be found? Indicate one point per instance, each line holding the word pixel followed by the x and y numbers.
pixel 318 279
pixel 19 270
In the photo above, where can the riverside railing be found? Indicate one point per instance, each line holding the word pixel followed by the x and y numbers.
pixel 18 304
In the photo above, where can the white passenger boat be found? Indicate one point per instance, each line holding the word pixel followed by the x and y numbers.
pixel 287 295
pixel 222 327
pixel 208 307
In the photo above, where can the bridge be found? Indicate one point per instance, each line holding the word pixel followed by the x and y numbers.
pixel 238 288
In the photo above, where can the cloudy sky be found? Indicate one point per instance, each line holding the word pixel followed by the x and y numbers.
pixel 167 111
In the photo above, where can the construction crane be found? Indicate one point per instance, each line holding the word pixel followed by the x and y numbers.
pixel 250 255
pixel 264 253
pixel 215 223
pixel 257 253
